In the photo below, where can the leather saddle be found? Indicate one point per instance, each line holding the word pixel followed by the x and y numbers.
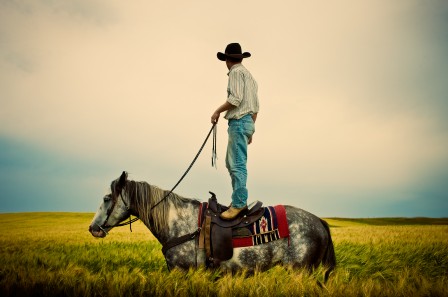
pixel 216 234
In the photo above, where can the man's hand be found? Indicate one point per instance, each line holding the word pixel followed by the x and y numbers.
pixel 250 140
pixel 224 107
pixel 215 117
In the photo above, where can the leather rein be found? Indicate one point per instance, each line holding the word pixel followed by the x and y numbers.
pixel 115 198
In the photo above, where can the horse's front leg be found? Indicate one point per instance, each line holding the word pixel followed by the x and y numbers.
pixel 183 220
pixel 185 256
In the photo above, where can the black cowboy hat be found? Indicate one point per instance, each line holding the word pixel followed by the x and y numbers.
pixel 233 50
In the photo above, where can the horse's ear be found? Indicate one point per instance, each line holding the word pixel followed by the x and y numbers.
pixel 123 179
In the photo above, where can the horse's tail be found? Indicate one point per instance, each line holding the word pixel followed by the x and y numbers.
pixel 329 260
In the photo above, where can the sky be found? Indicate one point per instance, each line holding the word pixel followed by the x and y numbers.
pixel 353 94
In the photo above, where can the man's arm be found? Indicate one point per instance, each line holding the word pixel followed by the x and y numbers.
pixel 224 107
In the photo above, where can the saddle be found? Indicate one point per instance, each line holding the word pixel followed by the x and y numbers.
pixel 216 234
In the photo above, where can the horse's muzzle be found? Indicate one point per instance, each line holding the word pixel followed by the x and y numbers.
pixel 96 231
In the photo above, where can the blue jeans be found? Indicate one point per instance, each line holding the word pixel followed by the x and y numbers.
pixel 236 159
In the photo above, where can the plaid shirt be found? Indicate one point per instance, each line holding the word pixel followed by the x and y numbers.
pixel 241 92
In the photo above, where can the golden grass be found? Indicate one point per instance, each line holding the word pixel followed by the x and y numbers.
pixel 53 254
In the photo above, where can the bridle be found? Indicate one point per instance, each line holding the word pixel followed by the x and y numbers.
pixel 114 199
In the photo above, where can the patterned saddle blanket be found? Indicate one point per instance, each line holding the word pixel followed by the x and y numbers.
pixel 271 226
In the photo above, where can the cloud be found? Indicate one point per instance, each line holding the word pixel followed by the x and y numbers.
pixel 23 26
pixel 22 7
pixel 94 11
pixel 21 62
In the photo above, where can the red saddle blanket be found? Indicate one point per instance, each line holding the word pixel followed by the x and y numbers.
pixel 273 225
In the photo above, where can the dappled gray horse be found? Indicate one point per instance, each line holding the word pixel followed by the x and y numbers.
pixel 309 243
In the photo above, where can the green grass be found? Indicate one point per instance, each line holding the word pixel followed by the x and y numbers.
pixel 396 221
pixel 53 254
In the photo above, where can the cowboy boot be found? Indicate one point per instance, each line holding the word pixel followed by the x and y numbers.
pixel 232 213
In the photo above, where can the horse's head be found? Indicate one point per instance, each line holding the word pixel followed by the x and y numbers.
pixel 113 209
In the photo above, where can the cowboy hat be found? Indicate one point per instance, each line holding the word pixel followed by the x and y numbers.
pixel 233 50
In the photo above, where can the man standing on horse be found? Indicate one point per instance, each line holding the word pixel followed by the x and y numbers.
pixel 241 109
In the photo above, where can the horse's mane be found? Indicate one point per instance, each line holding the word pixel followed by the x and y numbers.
pixel 144 196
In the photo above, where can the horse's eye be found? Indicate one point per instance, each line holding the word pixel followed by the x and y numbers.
pixel 107 198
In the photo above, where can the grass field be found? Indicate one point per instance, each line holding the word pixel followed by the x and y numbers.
pixel 53 254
